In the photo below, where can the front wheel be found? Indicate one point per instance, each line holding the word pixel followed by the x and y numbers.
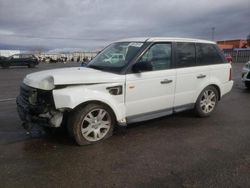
pixel 5 65
pixel 91 123
pixel 31 65
pixel 207 101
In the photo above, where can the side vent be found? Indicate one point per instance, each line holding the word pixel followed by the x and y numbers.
pixel 116 90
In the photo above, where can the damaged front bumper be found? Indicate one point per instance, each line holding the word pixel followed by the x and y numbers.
pixel 36 108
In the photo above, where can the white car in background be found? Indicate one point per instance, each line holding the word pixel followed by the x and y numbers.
pixel 115 58
pixel 156 77
pixel 246 75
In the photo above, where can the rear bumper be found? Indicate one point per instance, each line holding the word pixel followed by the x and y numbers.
pixel 227 87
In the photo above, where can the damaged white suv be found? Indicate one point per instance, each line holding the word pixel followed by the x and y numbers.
pixel 156 77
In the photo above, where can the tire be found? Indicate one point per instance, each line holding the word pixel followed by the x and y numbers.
pixel 207 101
pixel 247 84
pixel 5 65
pixel 31 65
pixel 91 123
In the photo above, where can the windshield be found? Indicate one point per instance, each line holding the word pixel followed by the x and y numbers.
pixel 115 56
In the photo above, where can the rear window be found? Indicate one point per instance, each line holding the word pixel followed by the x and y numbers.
pixel 208 54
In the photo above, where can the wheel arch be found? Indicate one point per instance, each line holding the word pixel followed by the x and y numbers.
pixel 216 86
pixel 83 104
pixel 218 90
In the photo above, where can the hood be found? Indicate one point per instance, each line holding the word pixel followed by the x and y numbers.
pixel 48 79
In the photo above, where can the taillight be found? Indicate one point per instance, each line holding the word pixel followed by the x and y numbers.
pixel 230 74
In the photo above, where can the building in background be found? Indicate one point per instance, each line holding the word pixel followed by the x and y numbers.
pixel 7 53
pixel 231 44
pixel 65 56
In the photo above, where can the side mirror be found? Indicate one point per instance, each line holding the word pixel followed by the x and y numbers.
pixel 142 66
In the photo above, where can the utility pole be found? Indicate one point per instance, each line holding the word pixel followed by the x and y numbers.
pixel 213 30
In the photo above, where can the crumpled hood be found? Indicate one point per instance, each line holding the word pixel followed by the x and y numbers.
pixel 48 79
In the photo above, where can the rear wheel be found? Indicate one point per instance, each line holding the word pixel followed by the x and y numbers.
pixel 207 101
pixel 91 123
pixel 247 84
pixel 31 65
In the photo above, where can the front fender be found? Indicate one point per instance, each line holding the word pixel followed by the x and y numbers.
pixel 71 97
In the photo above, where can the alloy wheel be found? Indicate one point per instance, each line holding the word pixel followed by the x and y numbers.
pixel 96 124
pixel 208 101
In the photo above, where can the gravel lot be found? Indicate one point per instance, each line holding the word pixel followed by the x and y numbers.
pixel 175 151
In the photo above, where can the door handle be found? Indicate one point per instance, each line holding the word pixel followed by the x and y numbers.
pixel 201 76
pixel 166 81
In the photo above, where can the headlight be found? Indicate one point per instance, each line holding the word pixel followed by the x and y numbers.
pixel 33 97
pixel 47 83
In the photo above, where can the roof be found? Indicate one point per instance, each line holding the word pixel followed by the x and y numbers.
pixel 166 39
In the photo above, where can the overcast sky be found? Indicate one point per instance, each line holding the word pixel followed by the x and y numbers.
pixel 91 24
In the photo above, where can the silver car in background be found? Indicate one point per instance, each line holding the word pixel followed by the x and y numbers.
pixel 246 74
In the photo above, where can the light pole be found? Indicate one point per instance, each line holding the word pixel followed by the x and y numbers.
pixel 213 30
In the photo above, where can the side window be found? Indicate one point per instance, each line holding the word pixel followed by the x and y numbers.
pixel 185 54
pixel 207 54
pixel 24 56
pixel 17 56
pixel 159 56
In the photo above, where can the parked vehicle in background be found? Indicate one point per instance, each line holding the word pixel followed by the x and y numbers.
pixel 156 77
pixel 2 58
pixel 19 60
pixel 246 74
pixel 114 58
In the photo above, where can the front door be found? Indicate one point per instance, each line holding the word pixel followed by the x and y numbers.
pixel 151 93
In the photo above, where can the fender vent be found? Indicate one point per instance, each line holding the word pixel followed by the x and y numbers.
pixel 116 90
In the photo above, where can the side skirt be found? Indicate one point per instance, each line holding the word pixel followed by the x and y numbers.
pixel 158 113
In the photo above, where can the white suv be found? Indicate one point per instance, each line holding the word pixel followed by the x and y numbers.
pixel 156 77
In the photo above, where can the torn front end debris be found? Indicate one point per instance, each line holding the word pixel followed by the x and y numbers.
pixel 36 107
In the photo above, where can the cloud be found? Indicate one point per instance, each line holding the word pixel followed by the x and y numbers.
pixel 91 24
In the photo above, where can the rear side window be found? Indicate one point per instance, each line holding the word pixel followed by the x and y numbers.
pixel 185 54
pixel 208 54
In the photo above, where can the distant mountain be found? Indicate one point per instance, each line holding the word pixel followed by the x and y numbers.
pixel 22 48
pixel 44 49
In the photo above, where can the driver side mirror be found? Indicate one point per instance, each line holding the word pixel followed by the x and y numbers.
pixel 142 66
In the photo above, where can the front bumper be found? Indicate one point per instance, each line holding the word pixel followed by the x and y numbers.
pixel 28 114
pixel 36 107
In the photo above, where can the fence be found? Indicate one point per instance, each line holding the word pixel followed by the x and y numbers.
pixel 239 55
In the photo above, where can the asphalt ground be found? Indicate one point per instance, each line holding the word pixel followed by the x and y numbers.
pixel 180 150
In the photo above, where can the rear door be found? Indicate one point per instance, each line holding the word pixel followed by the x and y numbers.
pixel 208 54
pixel 15 60
pixel 25 59
pixel 151 93
pixel 190 76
